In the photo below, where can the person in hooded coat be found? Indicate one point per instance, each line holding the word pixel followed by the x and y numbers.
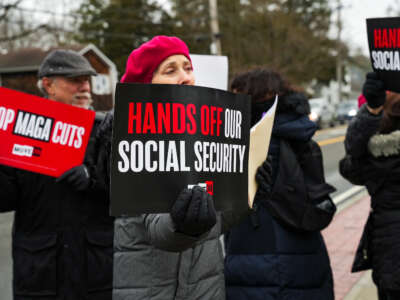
pixel 264 258
pixel 373 159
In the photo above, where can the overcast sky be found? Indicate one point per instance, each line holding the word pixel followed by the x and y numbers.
pixel 354 13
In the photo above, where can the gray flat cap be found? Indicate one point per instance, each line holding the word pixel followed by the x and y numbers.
pixel 66 63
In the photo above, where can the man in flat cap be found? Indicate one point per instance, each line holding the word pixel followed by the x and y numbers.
pixel 62 232
pixel 64 76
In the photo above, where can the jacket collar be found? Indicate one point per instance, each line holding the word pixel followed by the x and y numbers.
pixel 385 144
pixel 293 126
pixel 291 119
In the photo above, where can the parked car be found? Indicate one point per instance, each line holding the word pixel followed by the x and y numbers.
pixel 346 110
pixel 322 112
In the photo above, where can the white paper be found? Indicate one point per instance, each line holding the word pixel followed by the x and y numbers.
pixel 260 135
pixel 210 71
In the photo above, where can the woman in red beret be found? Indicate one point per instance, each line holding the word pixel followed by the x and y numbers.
pixel 163 59
pixel 176 255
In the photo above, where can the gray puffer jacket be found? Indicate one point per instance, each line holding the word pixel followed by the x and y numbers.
pixel 153 261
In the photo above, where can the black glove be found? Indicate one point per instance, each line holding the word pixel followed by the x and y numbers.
pixel 327 205
pixel 78 177
pixel 264 178
pixel 374 90
pixel 193 212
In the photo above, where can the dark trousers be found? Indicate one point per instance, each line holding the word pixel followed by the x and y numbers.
pixel 388 294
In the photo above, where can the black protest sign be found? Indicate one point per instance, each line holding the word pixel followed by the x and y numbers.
pixel 384 47
pixel 169 137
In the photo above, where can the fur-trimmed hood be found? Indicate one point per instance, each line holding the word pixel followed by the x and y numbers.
pixel 385 144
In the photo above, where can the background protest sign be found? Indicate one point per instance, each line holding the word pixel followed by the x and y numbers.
pixel 166 137
pixel 210 71
pixel 260 135
pixel 384 47
pixel 40 135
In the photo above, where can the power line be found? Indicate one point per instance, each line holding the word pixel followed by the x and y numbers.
pixel 43 11
pixel 80 16
pixel 119 35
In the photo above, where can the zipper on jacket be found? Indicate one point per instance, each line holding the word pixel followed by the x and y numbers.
pixel 365 254
pixel 255 219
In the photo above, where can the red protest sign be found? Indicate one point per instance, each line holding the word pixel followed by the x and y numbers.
pixel 40 135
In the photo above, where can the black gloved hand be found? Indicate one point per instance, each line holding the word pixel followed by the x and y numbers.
pixel 374 90
pixel 78 177
pixel 193 212
pixel 264 177
pixel 327 205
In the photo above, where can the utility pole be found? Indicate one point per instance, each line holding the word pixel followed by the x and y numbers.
pixel 214 25
pixel 339 64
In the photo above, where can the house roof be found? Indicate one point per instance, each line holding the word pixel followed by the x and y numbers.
pixel 29 59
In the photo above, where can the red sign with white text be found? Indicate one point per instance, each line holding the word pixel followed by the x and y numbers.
pixel 41 135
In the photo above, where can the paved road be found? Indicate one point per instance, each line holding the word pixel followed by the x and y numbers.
pixel 331 142
pixel 332 148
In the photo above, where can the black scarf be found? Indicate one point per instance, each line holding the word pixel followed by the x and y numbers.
pixel 258 109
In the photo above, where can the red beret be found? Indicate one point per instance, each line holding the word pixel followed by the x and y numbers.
pixel 143 61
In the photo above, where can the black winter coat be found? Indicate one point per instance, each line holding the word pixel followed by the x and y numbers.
pixel 373 160
pixel 270 261
pixel 62 239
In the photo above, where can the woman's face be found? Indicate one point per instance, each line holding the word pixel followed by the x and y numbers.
pixel 176 69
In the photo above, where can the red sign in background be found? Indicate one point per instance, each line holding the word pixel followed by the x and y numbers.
pixel 41 135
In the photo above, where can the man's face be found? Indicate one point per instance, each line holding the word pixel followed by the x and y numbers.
pixel 69 90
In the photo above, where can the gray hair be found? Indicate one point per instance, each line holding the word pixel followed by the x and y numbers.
pixel 39 84
pixel 41 88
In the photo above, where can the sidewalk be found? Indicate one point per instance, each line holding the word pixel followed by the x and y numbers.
pixel 342 237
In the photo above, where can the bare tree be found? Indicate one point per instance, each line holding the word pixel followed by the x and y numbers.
pixel 43 25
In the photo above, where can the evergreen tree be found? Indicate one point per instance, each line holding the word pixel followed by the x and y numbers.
pixel 119 26
pixel 191 19
pixel 287 35
pixel 290 36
